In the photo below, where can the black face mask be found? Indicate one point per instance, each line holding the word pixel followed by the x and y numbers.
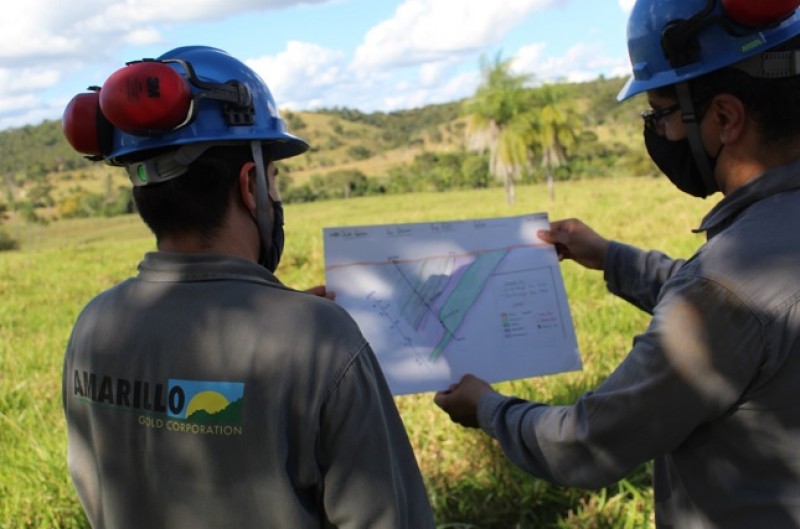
pixel 675 159
pixel 271 257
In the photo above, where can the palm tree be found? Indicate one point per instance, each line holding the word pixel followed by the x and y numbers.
pixel 499 118
pixel 556 127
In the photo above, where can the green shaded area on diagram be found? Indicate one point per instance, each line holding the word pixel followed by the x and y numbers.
pixel 464 295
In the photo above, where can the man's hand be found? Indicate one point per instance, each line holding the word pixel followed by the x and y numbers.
pixel 322 292
pixel 577 241
pixel 460 401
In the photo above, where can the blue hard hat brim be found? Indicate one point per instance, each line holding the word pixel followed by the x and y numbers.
pixel 279 146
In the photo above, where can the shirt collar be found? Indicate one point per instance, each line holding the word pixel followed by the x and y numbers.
pixel 771 182
pixel 174 266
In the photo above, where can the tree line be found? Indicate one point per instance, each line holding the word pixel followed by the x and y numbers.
pixel 512 131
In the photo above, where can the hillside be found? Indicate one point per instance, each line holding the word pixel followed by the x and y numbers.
pixel 352 153
pixel 345 139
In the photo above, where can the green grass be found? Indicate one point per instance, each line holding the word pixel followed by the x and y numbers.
pixel 62 265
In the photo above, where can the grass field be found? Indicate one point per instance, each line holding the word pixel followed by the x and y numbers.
pixel 62 265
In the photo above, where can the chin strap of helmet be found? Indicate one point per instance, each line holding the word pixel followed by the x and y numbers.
pixel 692 124
pixel 262 207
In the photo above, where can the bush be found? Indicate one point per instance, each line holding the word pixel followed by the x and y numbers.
pixel 7 242
pixel 81 203
pixel 359 152
pixel 293 121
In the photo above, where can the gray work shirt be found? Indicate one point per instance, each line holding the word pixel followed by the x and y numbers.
pixel 709 391
pixel 204 394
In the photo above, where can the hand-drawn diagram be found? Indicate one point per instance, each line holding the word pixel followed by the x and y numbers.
pixel 437 300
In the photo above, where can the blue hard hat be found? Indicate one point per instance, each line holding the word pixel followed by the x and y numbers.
pixel 212 119
pixel 672 41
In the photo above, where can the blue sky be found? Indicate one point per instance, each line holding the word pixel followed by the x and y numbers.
pixel 366 54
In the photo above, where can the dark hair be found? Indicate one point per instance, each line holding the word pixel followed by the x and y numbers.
pixel 195 202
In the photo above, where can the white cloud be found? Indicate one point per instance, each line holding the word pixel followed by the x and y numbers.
pixel 298 75
pixel 414 95
pixel 41 41
pixel 19 103
pixel 433 73
pixel 626 5
pixel 425 30
pixel 143 37
pixel 307 76
pixel 581 62
pixel 28 109
pixel 26 80
pixel 528 58
pixel 33 30
pixel 20 99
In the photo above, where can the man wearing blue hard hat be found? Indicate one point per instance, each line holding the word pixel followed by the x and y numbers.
pixel 203 393
pixel 708 391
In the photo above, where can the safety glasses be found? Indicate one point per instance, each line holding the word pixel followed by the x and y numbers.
pixel 653 119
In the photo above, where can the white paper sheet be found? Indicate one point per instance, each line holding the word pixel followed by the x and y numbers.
pixel 437 300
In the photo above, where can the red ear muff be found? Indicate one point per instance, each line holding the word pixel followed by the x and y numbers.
pixel 85 127
pixel 759 13
pixel 146 97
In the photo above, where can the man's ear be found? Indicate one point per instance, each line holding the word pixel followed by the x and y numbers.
pixel 247 186
pixel 730 114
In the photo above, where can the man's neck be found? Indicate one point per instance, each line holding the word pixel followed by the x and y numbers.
pixel 747 166
pixel 230 240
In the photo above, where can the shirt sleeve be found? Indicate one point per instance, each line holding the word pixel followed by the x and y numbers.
pixel 699 354
pixel 636 275
pixel 370 475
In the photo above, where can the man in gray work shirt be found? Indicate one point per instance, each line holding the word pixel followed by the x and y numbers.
pixel 203 393
pixel 709 390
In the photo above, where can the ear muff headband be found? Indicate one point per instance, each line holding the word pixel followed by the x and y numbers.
pixel 239 101
pixel 679 37
pixel 678 40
